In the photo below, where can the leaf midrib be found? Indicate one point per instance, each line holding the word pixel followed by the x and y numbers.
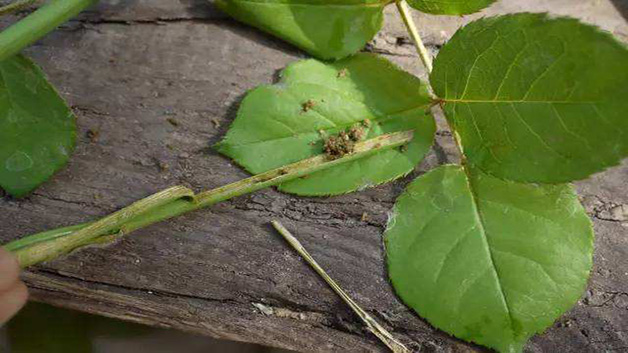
pixel 381 4
pixel 341 126
pixel 386 117
pixel 448 100
pixel 480 220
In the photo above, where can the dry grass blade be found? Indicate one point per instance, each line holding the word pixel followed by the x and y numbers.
pixel 372 325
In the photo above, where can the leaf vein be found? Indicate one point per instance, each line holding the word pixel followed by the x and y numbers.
pixel 535 134
pixel 511 66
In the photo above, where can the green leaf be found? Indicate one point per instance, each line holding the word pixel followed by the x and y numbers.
pixel 327 29
pixel 487 260
pixel 282 123
pixel 37 129
pixel 450 7
pixel 536 99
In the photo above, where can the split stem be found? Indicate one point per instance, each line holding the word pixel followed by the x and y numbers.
pixel 39 23
pixel 49 250
pixel 372 325
pixel 175 201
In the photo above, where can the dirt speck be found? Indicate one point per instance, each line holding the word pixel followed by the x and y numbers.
pixel 174 122
pixel 342 73
pixel 93 135
pixel 163 167
pixel 216 123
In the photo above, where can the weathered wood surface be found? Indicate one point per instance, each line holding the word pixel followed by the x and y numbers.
pixel 127 67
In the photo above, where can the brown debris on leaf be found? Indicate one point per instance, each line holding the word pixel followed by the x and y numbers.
pixel 337 146
pixel 306 106
pixel 356 133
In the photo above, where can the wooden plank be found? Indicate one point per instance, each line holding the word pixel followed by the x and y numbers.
pixel 127 67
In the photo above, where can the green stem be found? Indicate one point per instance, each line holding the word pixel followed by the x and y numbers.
pixel 16 6
pixel 39 23
pixel 406 15
pixel 378 330
pixel 427 62
pixel 51 244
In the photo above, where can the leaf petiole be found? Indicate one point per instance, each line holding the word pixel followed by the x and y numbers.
pixel 406 15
